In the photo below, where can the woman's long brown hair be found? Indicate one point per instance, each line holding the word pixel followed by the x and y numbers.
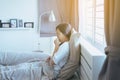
pixel 65 28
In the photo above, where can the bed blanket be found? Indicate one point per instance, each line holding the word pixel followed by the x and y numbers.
pixel 24 66
pixel 26 71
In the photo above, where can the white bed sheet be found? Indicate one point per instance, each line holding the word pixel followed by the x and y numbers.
pixel 27 71
pixel 25 66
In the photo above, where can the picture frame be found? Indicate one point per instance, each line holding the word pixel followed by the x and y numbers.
pixel 6 25
pixel 0 23
pixel 13 23
pixel 20 23
pixel 28 24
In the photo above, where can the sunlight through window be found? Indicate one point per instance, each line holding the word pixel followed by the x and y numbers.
pixel 92 22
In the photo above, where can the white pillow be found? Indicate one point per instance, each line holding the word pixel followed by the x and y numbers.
pixel 74 47
pixel 73 62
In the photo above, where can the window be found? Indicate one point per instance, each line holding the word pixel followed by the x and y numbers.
pixel 92 22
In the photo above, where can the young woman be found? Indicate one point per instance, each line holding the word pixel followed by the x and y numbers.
pixel 50 67
pixel 61 51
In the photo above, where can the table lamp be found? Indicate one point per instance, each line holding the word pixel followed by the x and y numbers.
pixel 50 18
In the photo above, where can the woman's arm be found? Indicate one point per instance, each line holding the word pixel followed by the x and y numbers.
pixel 57 43
pixel 62 53
pixel 50 60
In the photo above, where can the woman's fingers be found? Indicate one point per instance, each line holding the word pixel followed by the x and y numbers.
pixel 56 42
pixel 51 62
pixel 48 59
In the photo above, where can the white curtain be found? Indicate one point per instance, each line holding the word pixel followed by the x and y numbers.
pixel 111 67
pixel 64 10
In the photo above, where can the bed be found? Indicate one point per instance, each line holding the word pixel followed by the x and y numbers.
pixel 23 66
pixel 30 66
pixel 27 67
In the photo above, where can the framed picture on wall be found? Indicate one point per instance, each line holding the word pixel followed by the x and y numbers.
pixel 20 23
pixel 6 25
pixel 13 23
pixel 0 24
pixel 28 24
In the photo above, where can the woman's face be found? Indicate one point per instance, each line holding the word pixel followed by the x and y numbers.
pixel 61 36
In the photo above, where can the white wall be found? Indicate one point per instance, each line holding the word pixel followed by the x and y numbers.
pixel 21 9
pixel 20 40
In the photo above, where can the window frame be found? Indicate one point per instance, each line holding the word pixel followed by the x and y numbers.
pixel 91 39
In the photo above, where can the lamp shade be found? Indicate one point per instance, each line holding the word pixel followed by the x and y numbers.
pixel 52 17
pixel 47 24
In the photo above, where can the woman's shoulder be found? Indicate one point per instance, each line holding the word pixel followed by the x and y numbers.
pixel 65 44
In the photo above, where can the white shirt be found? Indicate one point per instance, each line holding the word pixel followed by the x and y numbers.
pixel 61 56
